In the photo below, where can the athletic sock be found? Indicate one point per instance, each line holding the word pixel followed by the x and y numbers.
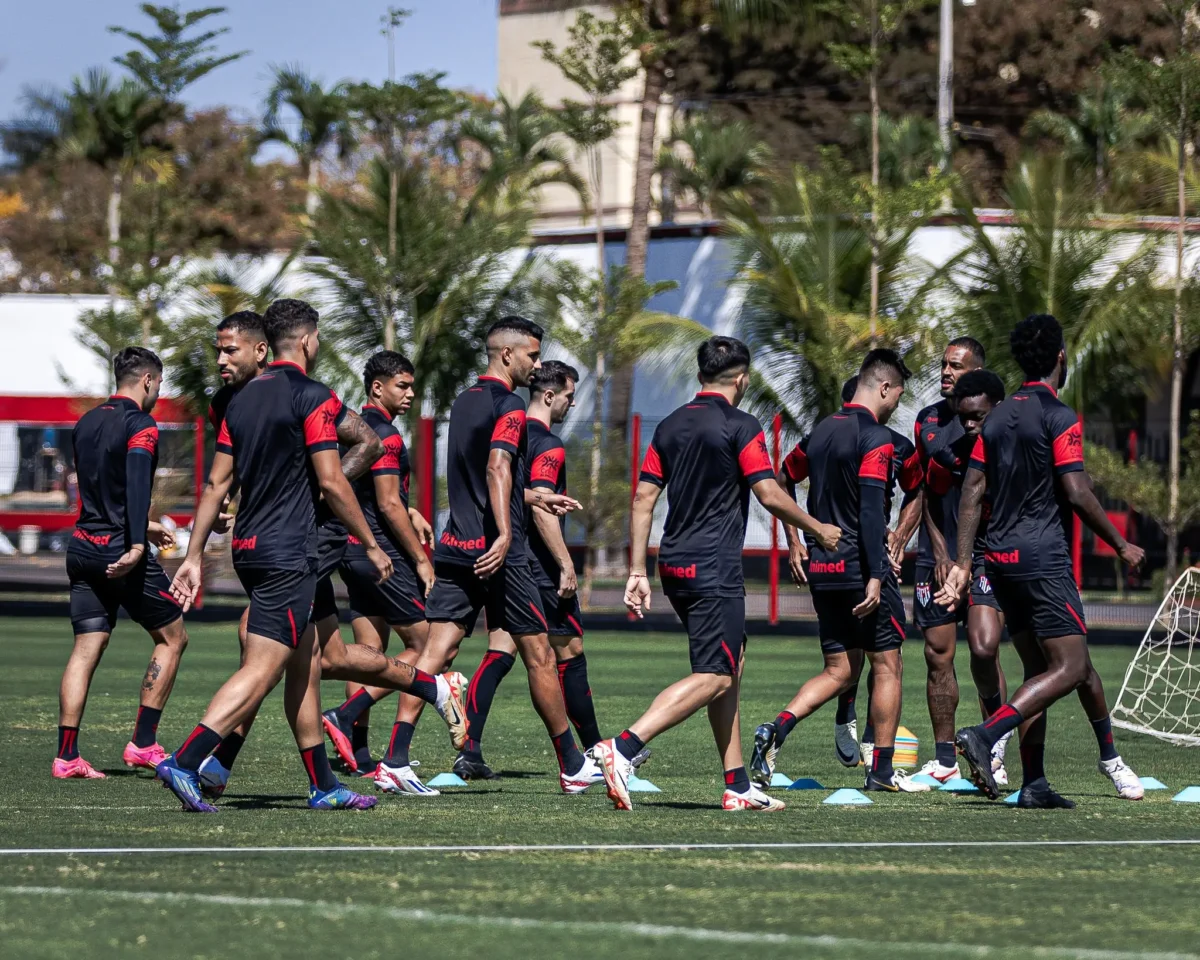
pixel 68 743
pixel 881 763
pixel 570 760
pixel 227 753
pixel 492 669
pixel 577 694
pixel 397 751
pixel 424 685
pixel 1033 761
pixel 993 703
pixel 737 780
pixel 784 724
pixel 1104 738
pixel 359 743
pixel 629 744
pixel 473 749
pixel 195 750
pixel 945 754
pixel 353 708
pixel 999 723
pixel 320 773
pixel 145 729
pixel 868 735
pixel 845 706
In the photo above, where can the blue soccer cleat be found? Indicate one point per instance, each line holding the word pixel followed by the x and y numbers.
pixel 340 797
pixel 185 784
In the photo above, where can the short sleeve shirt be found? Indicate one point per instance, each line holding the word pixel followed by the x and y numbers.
pixel 393 463
pixel 547 471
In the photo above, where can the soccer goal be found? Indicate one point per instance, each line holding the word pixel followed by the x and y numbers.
pixel 1161 692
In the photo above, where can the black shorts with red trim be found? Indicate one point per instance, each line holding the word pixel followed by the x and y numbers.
pixel 509 597
pixel 331 550
pixel 564 617
pixel 927 613
pixel 841 630
pixel 1050 607
pixel 281 602
pixel 716 629
pixel 398 601
pixel 144 593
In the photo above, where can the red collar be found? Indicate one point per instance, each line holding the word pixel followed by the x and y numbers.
pixel 859 406
pixel 378 409
pixel 503 383
pixel 286 363
pixel 1039 383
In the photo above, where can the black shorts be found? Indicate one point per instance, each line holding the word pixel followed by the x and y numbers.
pixel 281 602
pixel 510 598
pixel 927 613
pixel 716 629
pixel 144 593
pixel 563 614
pixel 1049 607
pixel 399 600
pixel 982 594
pixel 331 550
pixel 841 630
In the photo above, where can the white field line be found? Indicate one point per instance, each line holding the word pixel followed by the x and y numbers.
pixel 647 930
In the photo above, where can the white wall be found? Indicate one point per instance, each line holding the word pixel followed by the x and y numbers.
pixel 39 336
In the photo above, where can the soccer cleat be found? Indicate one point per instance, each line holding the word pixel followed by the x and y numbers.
pixel 766 749
pixel 370 771
pixel 1129 787
pixel 340 797
pixel 616 770
pixel 214 778
pixel 339 735
pixel 978 754
pixel 401 780
pixel 468 767
pixel 185 784
pixel 146 757
pixel 1039 796
pixel 845 743
pixel 77 769
pixel 589 775
pixel 868 753
pixel 899 783
pixel 639 758
pixel 938 772
pixel 752 799
pixel 450 687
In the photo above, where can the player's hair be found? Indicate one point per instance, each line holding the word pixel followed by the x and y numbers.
pixel 552 375
pixel 849 388
pixel 973 346
pixel 515 324
pixel 383 366
pixel 133 363
pixel 979 383
pixel 287 320
pixel 883 364
pixel 722 359
pixel 1036 342
pixel 246 322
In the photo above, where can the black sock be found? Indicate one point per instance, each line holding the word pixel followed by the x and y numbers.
pixel 68 743
pixel 784 724
pixel 629 744
pixel 1104 738
pixel 570 760
pixel 316 763
pixel 737 780
pixel 845 706
pixel 195 750
pixel 868 735
pixel 993 703
pixel 577 694
pixel 999 723
pixel 424 685
pixel 227 753
pixel 473 749
pixel 1033 761
pixel 945 754
pixel 492 669
pixel 881 763
pixel 397 751
pixel 353 708
pixel 145 729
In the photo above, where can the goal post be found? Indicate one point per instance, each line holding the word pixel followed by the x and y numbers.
pixel 1160 695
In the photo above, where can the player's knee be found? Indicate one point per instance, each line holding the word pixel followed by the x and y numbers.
pixel 984 645
pixel 938 660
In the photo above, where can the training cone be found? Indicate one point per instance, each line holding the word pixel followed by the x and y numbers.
pixel 928 780
pixel 847 797
pixel 959 785
pixel 447 780
pixel 1151 783
pixel 907 749
pixel 780 780
pixel 1013 797
pixel 805 783
pixel 638 785
pixel 1188 795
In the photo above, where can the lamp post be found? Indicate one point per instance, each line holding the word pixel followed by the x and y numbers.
pixel 946 76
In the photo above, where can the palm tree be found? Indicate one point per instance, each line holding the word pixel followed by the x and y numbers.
pixel 909 147
pixel 721 159
pixel 319 123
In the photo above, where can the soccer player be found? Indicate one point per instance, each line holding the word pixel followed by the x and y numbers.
pixel 109 562
pixel 480 559
pixel 854 589
pixel 1029 461
pixel 710 456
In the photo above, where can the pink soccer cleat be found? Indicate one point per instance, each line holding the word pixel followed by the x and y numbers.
pixel 77 769
pixel 146 757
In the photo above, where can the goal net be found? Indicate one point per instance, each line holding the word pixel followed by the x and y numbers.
pixel 1161 692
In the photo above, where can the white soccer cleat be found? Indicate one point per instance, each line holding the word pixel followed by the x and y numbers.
pixel 214 778
pixel 939 773
pixel 1129 787
pixel 845 743
pixel 753 799
pixel 999 774
pixel 401 780
pixel 589 775
pixel 868 753
pixel 449 705
pixel 616 771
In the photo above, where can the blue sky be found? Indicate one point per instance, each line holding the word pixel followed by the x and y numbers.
pixel 46 42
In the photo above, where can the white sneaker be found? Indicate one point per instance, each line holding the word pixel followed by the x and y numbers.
pixel 938 772
pixel 845 743
pixel 900 783
pixel 589 775
pixel 868 753
pixel 214 778
pixel 1129 787
pixel 616 770
pixel 450 687
pixel 752 799
pixel 401 780
pixel 999 774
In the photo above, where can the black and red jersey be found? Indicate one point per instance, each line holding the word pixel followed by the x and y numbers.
pixel 850 466
pixel 483 418
pixel 547 471
pixel 707 454
pixel 394 463
pixel 943 479
pixel 1028 441
pixel 271 428
pixel 220 403
pixel 116 454
pixel 936 428
pixel 905 471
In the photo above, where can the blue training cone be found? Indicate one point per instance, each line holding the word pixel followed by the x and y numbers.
pixel 1188 795
pixel 1013 797
pixel 927 779
pixel 638 785
pixel 959 785
pixel 848 797
pixel 780 780
pixel 1152 783
pixel 447 780
pixel 805 783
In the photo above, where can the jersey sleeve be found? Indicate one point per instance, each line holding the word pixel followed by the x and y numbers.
pixel 751 445
pixel 509 426
pixel 938 477
pixel 545 467
pixel 911 470
pixel 1066 439
pixel 654 466
pixel 978 459
pixel 795 464
pixel 140 448
pixel 875 451
pixel 388 465
pixel 320 410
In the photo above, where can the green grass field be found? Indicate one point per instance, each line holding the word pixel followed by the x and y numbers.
pixel 852 897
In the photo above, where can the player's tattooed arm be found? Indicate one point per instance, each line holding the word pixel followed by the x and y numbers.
pixel 1078 488
pixel 339 495
pixel 364 445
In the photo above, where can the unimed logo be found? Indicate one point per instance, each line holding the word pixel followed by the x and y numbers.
pixel 246 543
pixel 682 573
pixel 818 566
pixel 1010 556
pixel 452 541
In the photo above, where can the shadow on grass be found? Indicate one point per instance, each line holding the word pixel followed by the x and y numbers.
pixel 263 801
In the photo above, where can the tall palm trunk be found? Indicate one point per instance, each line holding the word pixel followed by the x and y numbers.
pixel 312 199
pixel 595 552
pixel 389 321
pixel 115 189
pixel 875 243
pixel 1177 360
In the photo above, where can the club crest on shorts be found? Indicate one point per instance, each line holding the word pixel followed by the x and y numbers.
pixel 983 584
pixel 924 594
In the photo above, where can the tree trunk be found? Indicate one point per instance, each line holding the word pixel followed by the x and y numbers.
pixel 389 321
pixel 1177 359
pixel 875 244
pixel 312 200
pixel 114 234
pixel 589 562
